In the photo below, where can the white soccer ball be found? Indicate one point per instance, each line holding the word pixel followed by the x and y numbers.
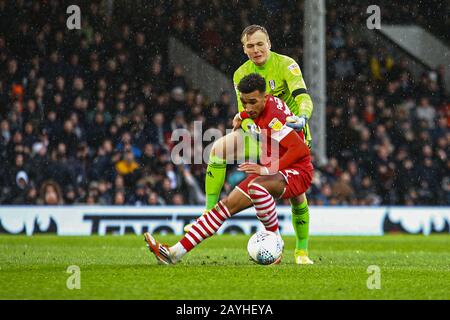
pixel 265 247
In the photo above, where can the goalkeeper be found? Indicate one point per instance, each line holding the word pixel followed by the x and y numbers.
pixel 284 80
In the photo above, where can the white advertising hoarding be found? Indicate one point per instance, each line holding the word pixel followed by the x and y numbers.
pixel 102 220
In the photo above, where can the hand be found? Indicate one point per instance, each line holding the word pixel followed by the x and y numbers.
pixel 253 168
pixel 248 125
pixel 296 123
pixel 237 121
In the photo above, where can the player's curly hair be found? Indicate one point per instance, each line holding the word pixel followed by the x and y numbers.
pixel 252 82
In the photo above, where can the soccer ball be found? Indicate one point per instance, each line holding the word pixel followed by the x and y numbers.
pixel 265 247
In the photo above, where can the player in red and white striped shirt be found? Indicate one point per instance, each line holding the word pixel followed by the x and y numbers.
pixel 285 171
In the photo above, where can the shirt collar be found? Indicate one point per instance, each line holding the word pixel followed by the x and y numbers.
pixel 265 65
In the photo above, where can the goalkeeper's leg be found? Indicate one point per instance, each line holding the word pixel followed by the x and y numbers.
pixel 225 150
pixel 300 222
pixel 215 178
pixel 235 146
pixel 300 217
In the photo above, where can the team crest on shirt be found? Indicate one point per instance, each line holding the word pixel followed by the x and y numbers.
pixel 275 124
pixel 295 69
pixel 272 84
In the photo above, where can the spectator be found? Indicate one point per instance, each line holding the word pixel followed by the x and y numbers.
pixel 50 194
pixel 119 198
pixel 104 193
pixel 344 66
pixel 381 64
pixel 70 195
pixel 155 200
pixel 342 188
pixel 425 112
pixel 127 165
pixel 139 198
pixel 19 192
pixel 177 199
pixel 100 107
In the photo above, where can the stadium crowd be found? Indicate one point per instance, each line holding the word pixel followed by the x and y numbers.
pixel 86 116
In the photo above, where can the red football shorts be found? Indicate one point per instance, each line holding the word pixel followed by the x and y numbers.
pixel 297 182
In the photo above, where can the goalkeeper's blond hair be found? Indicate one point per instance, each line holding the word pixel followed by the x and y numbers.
pixel 248 31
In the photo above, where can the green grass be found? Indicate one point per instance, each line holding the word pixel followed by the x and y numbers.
pixel 412 267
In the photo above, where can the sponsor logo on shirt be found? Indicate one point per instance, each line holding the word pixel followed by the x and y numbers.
pixel 272 84
pixel 275 124
pixel 295 69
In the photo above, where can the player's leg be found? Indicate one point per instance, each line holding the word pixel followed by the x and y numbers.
pixel 300 214
pixel 203 228
pixel 222 151
pixel 263 191
pixel 300 222
pixel 297 182
pixel 232 147
pixel 225 150
pixel 235 146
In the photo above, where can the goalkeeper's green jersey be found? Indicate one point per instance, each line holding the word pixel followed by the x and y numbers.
pixel 284 80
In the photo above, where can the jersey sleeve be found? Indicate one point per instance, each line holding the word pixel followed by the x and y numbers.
pixel 296 150
pixel 297 86
pixel 281 134
pixel 236 79
pixel 295 147
pixel 275 120
pixel 293 75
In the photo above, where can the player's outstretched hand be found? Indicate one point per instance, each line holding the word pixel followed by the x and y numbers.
pixel 253 168
pixel 296 123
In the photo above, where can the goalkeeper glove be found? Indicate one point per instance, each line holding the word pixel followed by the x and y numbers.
pixel 296 123
pixel 248 125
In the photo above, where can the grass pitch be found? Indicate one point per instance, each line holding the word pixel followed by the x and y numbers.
pixel 412 267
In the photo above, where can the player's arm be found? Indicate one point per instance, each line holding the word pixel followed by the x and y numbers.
pixel 236 79
pixel 296 84
pixel 295 146
pixel 247 123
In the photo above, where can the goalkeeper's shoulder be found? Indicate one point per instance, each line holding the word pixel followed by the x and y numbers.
pixel 286 61
pixel 242 71
pixel 289 68
pixel 284 58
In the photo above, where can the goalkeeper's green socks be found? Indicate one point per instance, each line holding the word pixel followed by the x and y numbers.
pixel 300 221
pixel 215 178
